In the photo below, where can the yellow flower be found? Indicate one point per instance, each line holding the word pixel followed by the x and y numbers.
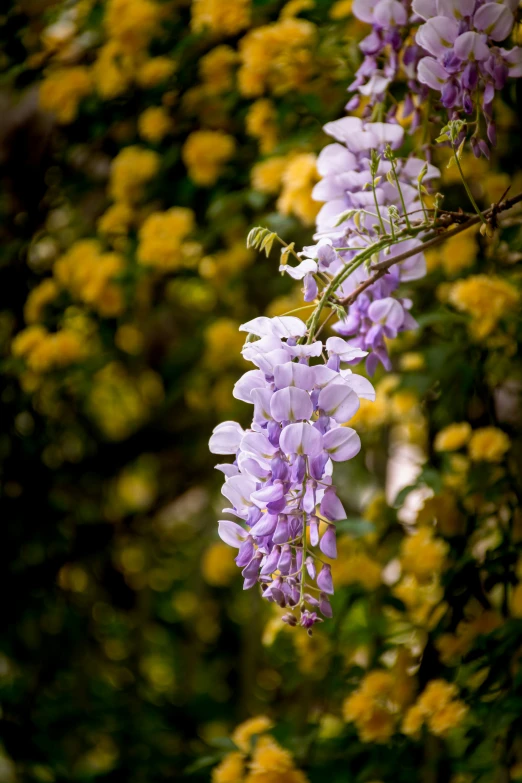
pixel 276 58
pixel 242 734
pixel 230 770
pixel 45 351
pixel 205 152
pixel 88 274
pixel 267 176
pixel 294 7
pixel 375 707
pixel 161 238
pixel 268 756
pixel 437 694
pixel 216 69
pixel 131 23
pixel 413 721
pixel 220 18
pixel 223 342
pixel 488 444
pixel 113 70
pixel 404 403
pixel 131 169
pixel 447 718
pixel 422 600
pixel 298 181
pixel 355 567
pixel 422 555
pixel 437 707
pixel 155 71
pixel 116 220
pixel 454 255
pixel 26 340
pixel 217 564
pixel 261 124
pixel 411 362
pixel 38 299
pixel 128 338
pixel 453 437
pixel 341 9
pixel 62 90
pixel 154 123
pixel 487 299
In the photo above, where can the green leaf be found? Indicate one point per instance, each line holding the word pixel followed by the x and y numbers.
pixel 202 763
pixel 355 526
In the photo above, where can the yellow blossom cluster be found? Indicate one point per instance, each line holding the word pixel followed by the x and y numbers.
pixel 423 601
pixel 119 402
pixel 161 240
pixel 378 703
pixel 436 707
pixel 131 23
pixel 488 444
pixel 298 180
pixel 452 646
pixel 217 564
pixel 116 220
pixel 219 18
pixel 454 255
pixel 88 274
pixel 453 437
pixel 276 58
pixel 155 71
pixel 44 351
pixel 62 90
pixel 355 566
pixel 154 123
pixel 223 343
pixel 131 169
pixel 423 555
pixel 113 71
pixel 267 176
pixel 267 762
pixel 261 124
pixel 372 415
pixel 44 293
pixel 216 69
pixel 205 153
pixel 487 299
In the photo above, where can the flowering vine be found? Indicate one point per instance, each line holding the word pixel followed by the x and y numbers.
pixel 371 232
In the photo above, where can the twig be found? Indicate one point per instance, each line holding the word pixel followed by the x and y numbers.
pixel 382 267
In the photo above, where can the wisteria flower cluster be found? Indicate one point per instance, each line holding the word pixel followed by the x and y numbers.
pixel 364 195
pixel 280 484
pixel 371 231
pixel 455 51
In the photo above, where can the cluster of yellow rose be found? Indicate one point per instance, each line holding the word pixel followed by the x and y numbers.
pixel 377 705
pixel 262 761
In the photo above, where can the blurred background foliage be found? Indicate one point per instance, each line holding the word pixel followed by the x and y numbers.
pixel 140 140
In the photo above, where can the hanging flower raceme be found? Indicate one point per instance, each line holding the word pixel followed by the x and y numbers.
pixel 367 191
pixel 450 46
pixel 464 61
pixel 280 483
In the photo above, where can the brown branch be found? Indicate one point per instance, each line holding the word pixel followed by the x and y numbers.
pixel 383 266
